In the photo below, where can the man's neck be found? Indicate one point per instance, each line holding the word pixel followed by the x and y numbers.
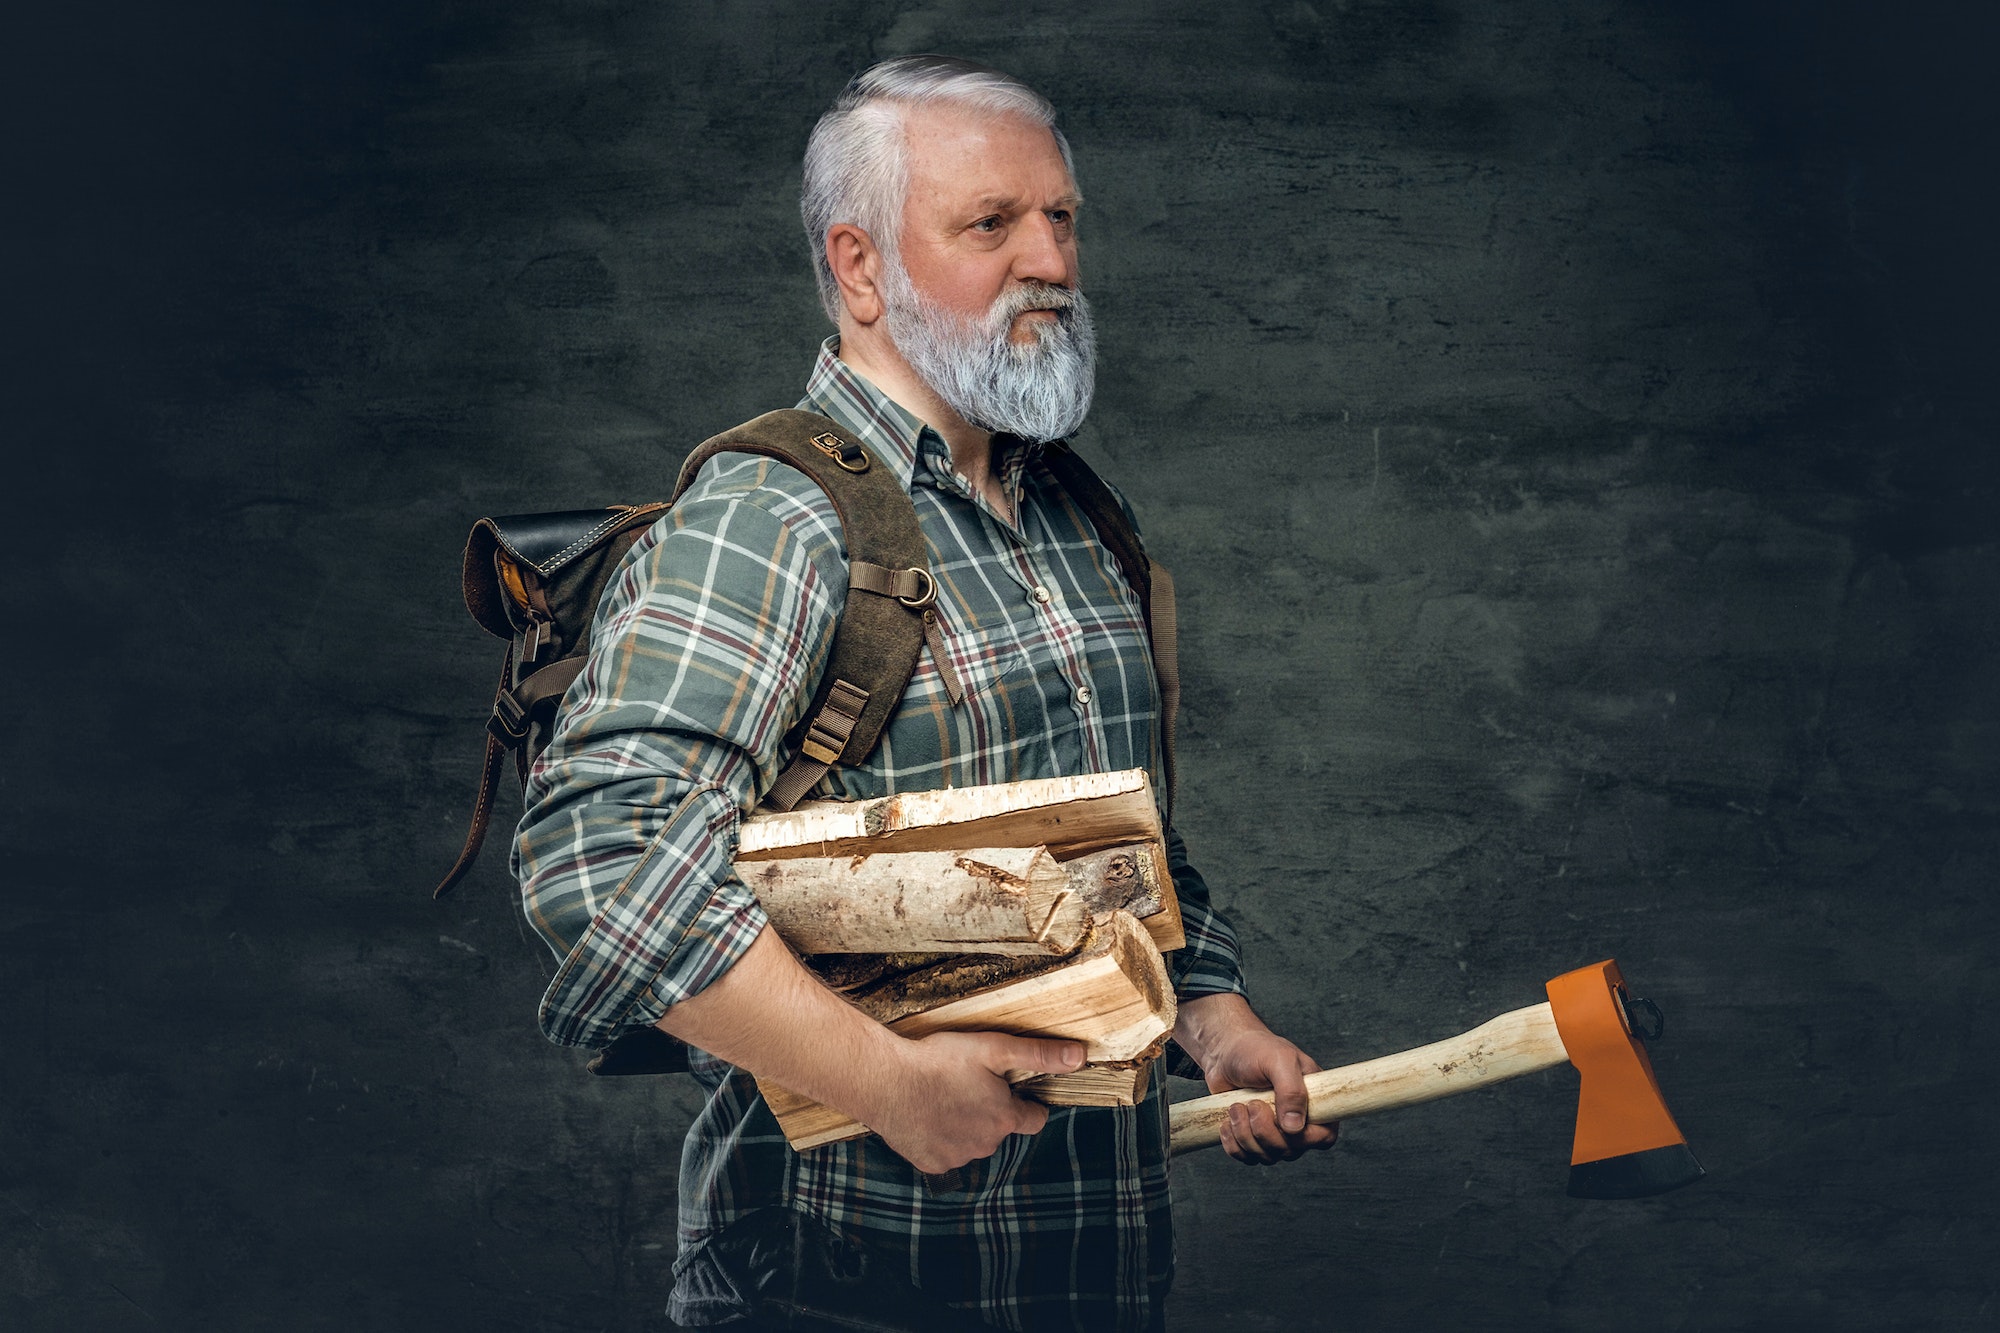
pixel 870 353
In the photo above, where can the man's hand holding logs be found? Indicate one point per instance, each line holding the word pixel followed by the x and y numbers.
pixel 940 1102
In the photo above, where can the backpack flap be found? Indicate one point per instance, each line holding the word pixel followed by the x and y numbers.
pixel 534 580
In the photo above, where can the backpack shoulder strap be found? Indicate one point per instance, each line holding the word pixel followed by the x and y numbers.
pixel 885 628
pixel 1149 579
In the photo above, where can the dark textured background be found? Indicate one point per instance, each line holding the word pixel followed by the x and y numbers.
pixel 1570 425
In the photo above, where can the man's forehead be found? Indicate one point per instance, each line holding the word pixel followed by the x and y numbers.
pixel 986 160
pixel 1002 203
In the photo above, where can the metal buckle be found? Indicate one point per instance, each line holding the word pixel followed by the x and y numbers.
pixel 822 743
pixel 850 457
pixel 927 596
pixel 509 723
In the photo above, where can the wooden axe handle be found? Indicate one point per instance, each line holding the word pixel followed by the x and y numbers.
pixel 1502 1048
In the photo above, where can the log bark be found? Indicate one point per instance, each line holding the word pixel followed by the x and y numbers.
pixel 1072 817
pixel 1113 995
pixel 1003 900
pixel 1006 900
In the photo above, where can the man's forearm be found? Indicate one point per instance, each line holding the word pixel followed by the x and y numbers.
pixel 768 1015
pixel 1206 1023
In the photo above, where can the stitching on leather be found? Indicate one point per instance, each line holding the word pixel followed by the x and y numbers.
pixel 582 542
pixel 549 566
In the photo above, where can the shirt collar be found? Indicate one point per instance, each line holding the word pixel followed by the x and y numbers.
pixel 896 438
pixel 838 391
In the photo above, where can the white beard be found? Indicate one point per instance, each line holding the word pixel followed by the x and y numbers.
pixel 1038 391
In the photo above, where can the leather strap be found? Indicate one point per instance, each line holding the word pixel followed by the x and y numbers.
pixel 489 783
pixel 913 587
pixel 954 689
pixel 882 631
pixel 1167 667
pixel 506 729
pixel 1151 582
pixel 514 710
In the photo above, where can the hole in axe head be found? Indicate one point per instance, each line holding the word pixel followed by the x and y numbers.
pixel 1643 1018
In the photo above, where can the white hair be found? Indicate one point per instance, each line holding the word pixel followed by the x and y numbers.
pixel 856 170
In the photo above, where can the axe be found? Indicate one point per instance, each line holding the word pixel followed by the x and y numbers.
pixel 1627 1145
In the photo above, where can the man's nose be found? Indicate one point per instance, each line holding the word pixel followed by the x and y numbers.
pixel 1040 256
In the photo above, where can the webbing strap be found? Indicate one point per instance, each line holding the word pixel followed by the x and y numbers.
pixel 514 709
pixel 826 736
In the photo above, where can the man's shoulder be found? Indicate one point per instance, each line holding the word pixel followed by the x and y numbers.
pixel 730 483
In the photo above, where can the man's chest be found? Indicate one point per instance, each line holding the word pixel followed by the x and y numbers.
pixel 1047 640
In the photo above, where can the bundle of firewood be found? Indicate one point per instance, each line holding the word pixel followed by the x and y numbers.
pixel 1036 908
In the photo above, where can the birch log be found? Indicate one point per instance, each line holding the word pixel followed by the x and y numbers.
pixel 1071 816
pixel 1003 900
pixel 1113 996
pixel 998 900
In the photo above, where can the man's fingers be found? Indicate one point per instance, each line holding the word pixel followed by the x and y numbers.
pixel 1033 1055
pixel 1288 1088
pixel 1255 1134
pixel 1033 1116
pixel 1278 1145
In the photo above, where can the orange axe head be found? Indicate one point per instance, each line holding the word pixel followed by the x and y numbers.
pixel 1627 1145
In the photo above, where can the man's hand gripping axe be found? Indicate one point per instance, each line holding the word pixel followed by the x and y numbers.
pixel 1627 1145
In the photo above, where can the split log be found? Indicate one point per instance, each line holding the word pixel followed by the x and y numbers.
pixel 1113 996
pixel 1114 1083
pixel 808 1125
pixel 1072 817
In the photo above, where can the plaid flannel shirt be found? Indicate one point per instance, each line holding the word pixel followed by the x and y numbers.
pixel 708 646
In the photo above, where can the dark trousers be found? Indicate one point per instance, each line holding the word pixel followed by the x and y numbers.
pixel 799 1276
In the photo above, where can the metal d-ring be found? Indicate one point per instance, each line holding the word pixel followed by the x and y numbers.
pixel 850 456
pixel 927 596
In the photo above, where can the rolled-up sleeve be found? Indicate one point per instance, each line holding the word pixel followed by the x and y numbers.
pixel 705 651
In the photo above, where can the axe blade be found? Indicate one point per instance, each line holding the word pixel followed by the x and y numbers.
pixel 1627 1144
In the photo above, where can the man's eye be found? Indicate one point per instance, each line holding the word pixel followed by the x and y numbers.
pixel 1060 217
pixel 987 225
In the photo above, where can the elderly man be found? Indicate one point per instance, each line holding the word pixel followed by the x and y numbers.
pixel 942 213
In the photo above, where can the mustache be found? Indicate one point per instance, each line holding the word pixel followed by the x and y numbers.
pixel 1016 301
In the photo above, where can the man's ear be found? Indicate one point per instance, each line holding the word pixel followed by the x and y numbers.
pixel 857 267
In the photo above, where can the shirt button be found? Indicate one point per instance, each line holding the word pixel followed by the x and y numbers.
pixel 1083 694
pixel 1043 595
